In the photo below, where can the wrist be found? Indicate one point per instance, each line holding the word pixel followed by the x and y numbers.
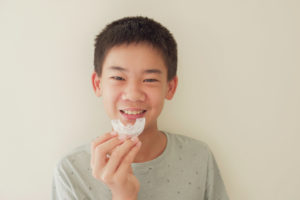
pixel 115 197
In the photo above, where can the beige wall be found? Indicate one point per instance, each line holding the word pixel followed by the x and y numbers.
pixel 239 73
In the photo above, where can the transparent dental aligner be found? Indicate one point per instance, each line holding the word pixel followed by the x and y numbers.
pixel 130 130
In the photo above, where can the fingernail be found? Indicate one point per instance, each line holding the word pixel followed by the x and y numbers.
pixel 122 137
pixel 139 144
pixel 113 133
pixel 134 138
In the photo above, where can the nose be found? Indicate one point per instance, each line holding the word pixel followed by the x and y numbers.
pixel 133 92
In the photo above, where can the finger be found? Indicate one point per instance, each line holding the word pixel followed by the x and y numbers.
pixel 99 140
pixel 125 165
pixel 116 158
pixel 100 156
pixel 102 150
pixel 112 150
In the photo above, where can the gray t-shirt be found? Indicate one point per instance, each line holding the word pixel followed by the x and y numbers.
pixel 185 170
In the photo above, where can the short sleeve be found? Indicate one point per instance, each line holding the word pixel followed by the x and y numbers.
pixel 61 187
pixel 215 188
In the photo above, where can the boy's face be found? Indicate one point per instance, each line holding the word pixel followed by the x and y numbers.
pixel 133 84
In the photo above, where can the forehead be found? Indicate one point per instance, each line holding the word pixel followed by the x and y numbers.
pixel 134 58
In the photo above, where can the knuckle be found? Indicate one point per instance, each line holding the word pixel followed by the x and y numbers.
pixel 131 143
pixel 99 149
pixel 93 144
pixel 106 134
pixel 106 179
pixel 128 141
pixel 116 154
pixel 98 139
pixel 95 175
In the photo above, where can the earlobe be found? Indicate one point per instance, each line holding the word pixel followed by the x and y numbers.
pixel 172 85
pixel 96 84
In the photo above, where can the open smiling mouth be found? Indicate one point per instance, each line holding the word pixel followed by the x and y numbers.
pixel 132 112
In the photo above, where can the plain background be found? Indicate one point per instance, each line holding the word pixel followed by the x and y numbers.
pixel 238 91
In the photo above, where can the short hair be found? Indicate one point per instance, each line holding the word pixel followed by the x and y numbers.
pixel 138 29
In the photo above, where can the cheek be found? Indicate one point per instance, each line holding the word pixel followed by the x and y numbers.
pixel 109 97
pixel 158 100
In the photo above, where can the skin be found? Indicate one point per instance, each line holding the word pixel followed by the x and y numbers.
pixel 133 76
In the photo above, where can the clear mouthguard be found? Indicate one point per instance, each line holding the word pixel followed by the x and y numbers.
pixel 130 130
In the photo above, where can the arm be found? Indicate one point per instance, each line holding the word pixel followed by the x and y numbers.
pixel 61 189
pixel 215 188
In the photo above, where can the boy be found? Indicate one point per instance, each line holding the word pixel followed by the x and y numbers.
pixel 135 71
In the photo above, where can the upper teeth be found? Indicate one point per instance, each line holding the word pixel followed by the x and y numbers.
pixel 132 112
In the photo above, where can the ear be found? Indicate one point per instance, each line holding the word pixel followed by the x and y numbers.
pixel 172 85
pixel 96 81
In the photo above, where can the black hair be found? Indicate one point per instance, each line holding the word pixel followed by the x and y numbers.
pixel 136 30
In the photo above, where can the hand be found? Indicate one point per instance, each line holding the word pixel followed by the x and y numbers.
pixel 116 171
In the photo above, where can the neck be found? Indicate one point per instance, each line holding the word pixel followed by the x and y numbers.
pixel 153 144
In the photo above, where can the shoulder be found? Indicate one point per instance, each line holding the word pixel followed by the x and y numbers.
pixel 189 147
pixel 75 159
pixel 182 140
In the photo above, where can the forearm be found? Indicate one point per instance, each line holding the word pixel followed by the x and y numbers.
pixel 114 197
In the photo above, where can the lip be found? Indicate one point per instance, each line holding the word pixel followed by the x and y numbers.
pixel 130 117
pixel 133 109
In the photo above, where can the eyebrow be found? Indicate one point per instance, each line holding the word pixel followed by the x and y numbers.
pixel 147 71
pixel 117 68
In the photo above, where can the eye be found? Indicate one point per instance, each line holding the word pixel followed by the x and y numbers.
pixel 150 80
pixel 118 78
